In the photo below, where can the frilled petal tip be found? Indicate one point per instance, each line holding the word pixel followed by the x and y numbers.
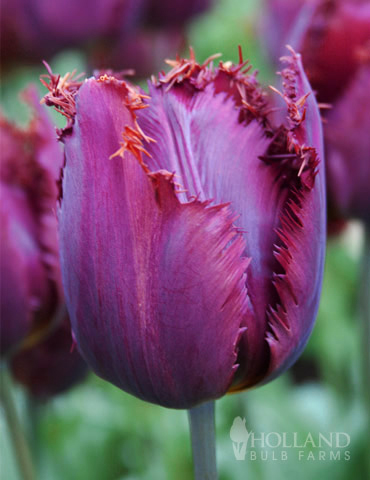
pixel 192 229
pixel 52 366
pixel 300 250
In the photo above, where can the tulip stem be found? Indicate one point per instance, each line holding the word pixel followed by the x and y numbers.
pixel 20 445
pixel 203 441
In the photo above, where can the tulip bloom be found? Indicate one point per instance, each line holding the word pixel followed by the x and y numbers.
pixel 160 33
pixel 30 272
pixel 51 367
pixel 35 29
pixel 192 229
pixel 334 39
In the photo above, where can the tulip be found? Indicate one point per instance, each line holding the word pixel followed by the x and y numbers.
pixel 31 289
pixel 142 50
pixel 192 232
pixel 51 367
pixel 348 150
pixel 192 254
pixel 160 33
pixel 334 39
pixel 35 29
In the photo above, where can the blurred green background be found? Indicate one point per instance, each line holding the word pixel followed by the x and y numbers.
pixel 97 432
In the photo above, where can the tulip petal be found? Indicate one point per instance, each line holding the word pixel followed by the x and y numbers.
pixel 155 288
pixel 197 128
pixel 196 135
pixel 342 26
pixel 50 367
pixel 30 164
pixel 348 155
pixel 23 282
pixel 301 249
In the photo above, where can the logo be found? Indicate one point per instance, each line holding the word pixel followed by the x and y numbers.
pixel 239 436
pixel 274 446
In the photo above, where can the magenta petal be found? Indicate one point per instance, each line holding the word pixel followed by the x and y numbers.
pixel 50 367
pixel 201 138
pixel 23 282
pixel 31 282
pixel 155 288
pixel 348 149
pixel 301 250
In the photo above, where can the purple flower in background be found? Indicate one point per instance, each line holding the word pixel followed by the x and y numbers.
pixel 143 50
pixel 115 33
pixel 50 367
pixel 159 34
pixel 334 39
pixel 347 143
pixel 31 287
pixel 32 30
pixel 192 229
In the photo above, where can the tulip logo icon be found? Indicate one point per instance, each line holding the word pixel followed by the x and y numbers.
pixel 239 436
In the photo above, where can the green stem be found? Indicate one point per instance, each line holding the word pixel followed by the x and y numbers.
pixel 203 441
pixel 20 445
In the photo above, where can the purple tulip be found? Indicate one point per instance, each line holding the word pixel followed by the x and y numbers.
pixel 347 144
pixel 192 229
pixel 142 50
pixel 35 29
pixel 159 34
pixel 334 39
pixel 52 366
pixel 30 272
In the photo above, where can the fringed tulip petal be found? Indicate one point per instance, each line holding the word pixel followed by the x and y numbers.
pixel 156 293
pixel 300 250
pixel 201 138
